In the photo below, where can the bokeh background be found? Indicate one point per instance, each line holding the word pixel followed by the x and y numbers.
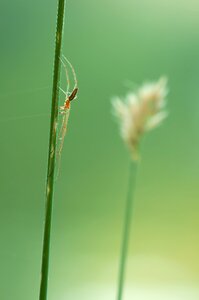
pixel 113 45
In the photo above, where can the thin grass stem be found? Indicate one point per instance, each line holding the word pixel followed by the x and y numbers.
pixel 51 154
pixel 126 228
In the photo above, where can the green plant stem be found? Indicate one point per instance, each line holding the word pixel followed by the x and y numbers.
pixel 52 153
pixel 126 229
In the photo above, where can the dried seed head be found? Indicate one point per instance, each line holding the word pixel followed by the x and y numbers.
pixel 141 112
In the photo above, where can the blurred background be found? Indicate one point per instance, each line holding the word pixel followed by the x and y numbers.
pixel 112 45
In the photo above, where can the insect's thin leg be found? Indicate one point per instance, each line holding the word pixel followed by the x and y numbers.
pixel 61 136
pixel 62 130
pixel 67 76
pixel 73 70
pixel 65 93
pixel 61 139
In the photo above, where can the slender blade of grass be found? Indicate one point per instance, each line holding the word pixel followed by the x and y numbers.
pixel 126 229
pixel 51 154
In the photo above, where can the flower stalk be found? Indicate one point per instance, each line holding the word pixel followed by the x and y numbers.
pixel 139 113
pixel 51 154
pixel 126 229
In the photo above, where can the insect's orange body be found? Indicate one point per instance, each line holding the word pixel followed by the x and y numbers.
pixel 73 94
pixel 67 104
pixel 70 98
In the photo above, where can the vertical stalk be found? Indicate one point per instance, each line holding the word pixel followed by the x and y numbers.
pixel 126 229
pixel 51 154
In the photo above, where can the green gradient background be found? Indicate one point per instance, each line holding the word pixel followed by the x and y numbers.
pixel 109 42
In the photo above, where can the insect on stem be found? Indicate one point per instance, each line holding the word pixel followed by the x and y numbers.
pixel 65 109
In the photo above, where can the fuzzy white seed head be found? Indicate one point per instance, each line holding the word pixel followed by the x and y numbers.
pixel 140 112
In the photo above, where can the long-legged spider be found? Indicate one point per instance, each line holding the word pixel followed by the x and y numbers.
pixel 65 109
